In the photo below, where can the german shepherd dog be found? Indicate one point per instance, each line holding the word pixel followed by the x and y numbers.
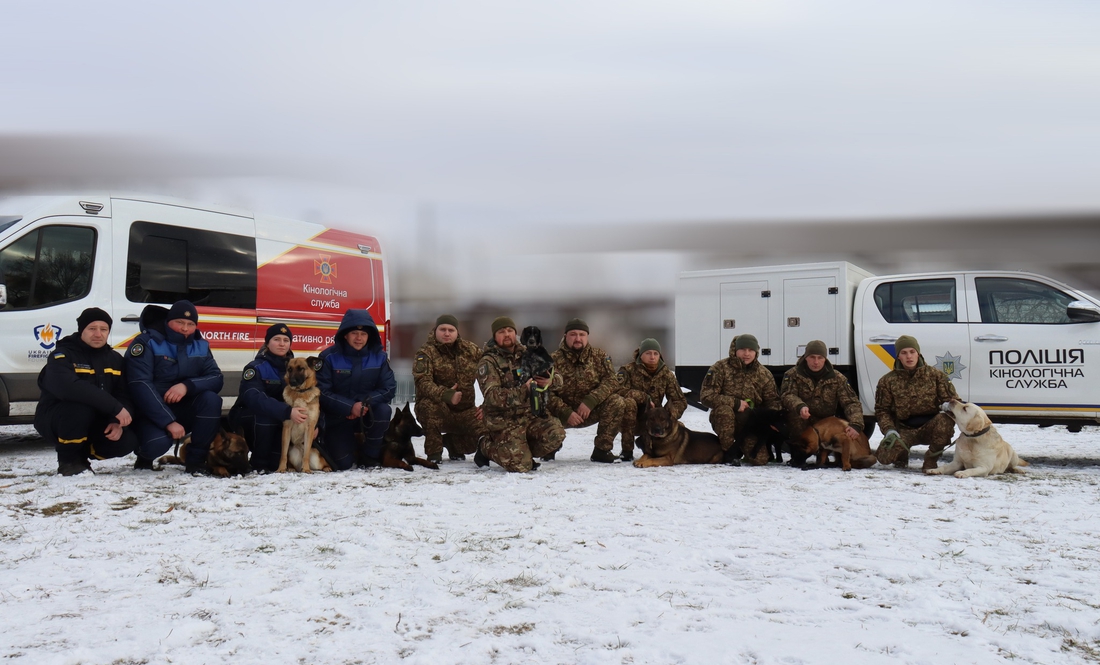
pixel 669 442
pixel 228 454
pixel 537 362
pixel 301 391
pixel 827 436
pixel 397 447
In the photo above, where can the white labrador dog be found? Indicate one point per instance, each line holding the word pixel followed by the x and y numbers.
pixel 979 450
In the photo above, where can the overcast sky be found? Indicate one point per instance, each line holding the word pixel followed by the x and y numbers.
pixel 587 112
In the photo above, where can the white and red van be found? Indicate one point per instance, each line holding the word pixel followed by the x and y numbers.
pixel 244 271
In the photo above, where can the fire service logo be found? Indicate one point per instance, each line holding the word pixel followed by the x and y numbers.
pixel 325 268
pixel 47 335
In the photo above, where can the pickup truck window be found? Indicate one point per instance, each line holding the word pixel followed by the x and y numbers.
pixel 917 301
pixel 49 265
pixel 1013 300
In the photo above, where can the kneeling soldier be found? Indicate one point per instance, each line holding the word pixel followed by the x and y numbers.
pixel 444 371
pixel 590 390
pixel 84 409
pixel 907 405
pixel 645 383
pixel 812 391
pixel 732 389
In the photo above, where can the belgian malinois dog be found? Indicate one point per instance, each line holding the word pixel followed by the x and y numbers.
pixel 397 447
pixel 828 436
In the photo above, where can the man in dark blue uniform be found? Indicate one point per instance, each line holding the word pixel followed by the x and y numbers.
pixel 84 408
pixel 174 382
pixel 356 385
pixel 260 409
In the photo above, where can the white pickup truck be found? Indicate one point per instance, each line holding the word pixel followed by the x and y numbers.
pixel 1023 346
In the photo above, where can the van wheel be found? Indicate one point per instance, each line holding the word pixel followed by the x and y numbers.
pixel 868 426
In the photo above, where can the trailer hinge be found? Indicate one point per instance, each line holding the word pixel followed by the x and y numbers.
pixel 833 290
pixel 765 352
pixel 765 294
pixel 834 350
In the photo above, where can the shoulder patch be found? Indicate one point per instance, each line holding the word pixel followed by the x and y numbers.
pixel 59 355
pixel 249 374
pixel 136 350
pixel 483 369
pixel 317 364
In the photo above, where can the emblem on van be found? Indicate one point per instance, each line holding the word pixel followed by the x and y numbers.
pixel 325 267
pixel 47 335
pixel 950 365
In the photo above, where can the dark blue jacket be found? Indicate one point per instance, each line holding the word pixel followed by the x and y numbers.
pixel 75 372
pixel 261 390
pixel 159 358
pixel 348 376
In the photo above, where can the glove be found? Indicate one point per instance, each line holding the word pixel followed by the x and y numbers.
pixel 891 438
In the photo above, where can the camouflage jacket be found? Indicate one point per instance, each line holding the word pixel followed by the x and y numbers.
pixel 587 376
pixel 506 400
pixel 642 386
pixel 729 381
pixel 438 367
pixel 902 394
pixel 823 397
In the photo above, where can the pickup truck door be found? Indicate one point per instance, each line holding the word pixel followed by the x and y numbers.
pixel 1028 356
pixel 927 307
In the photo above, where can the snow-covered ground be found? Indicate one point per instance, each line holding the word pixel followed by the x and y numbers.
pixel 575 563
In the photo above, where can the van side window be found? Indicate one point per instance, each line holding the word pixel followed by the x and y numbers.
pixel 1013 300
pixel 918 301
pixel 169 263
pixel 50 265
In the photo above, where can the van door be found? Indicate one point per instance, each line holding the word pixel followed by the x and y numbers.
pixel 928 308
pixel 1029 356
pixel 52 270
pixel 809 313
pixel 744 311
pixel 175 252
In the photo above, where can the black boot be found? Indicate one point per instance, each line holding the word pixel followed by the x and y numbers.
pixel 603 456
pixel 142 464
pixel 732 457
pixel 480 458
pixel 549 456
pixel 73 467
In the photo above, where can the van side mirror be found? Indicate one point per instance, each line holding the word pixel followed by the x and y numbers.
pixel 3 295
pixel 1081 311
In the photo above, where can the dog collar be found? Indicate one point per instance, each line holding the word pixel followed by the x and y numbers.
pixel 978 433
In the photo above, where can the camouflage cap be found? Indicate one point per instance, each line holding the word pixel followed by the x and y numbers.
pixel 906 342
pixel 503 322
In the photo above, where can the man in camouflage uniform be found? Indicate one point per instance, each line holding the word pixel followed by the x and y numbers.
pixel 444 371
pixel 516 436
pixel 647 382
pixel 732 389
pixel 590 390
pixel 812 391
pixel 907 405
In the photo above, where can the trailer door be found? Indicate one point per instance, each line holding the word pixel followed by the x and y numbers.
pixel 809 313
pixel 745 311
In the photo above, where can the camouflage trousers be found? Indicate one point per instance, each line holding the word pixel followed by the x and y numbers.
pixel 729 425
pixel 462 427
pixel 515 446
pixel 610 415
pixel 633 421
pixel 936 434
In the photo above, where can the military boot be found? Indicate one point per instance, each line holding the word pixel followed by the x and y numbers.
pixel 142 464
pixel 480 458
pixel 436 457
pixel 548 457
pixel 604 456
pixel 73 467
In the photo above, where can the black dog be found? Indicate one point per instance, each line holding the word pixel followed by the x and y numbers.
pixel 768 427
pixel 397 451
pixel 537 363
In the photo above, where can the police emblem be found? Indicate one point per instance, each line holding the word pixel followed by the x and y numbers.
pixel 249 374
pixel 317 364
pixel 136 350
pixel 950 365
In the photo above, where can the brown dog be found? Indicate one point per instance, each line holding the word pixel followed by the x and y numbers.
pixel 829 436
pixel 228 454
pixel 302 392
pixel 669 442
